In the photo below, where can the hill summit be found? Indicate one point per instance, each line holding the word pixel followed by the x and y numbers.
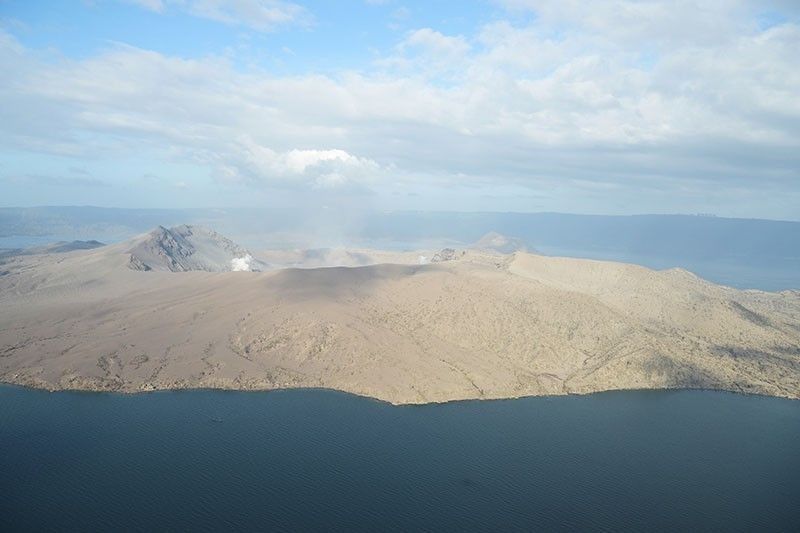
pixel 496 242
pixel 185 248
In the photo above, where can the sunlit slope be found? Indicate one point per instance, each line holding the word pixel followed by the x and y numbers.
pixel 480 326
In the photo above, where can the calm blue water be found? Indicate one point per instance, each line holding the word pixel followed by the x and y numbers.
pixel 321 460
pixel 767 274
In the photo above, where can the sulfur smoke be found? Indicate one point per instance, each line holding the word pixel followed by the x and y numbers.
pixel 241 264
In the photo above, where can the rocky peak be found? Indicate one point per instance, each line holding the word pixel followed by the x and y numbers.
pixel 185 248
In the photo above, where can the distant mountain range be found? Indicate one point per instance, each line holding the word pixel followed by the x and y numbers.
pixel 54 248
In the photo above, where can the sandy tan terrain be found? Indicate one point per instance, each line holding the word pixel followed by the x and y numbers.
pixel 480 326
pixel 350 257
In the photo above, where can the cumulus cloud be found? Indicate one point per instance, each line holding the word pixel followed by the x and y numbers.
pixel 300 160
pixel 579 103
pixel 249 162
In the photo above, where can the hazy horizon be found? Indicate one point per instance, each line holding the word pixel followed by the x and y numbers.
pixel 373 209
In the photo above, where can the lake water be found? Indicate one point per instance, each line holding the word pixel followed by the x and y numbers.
pixel 322 460
pixel 775 273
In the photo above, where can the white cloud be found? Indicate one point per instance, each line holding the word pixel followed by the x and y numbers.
pixel 436 42
pixel 300 160
pixel 557 106
pixel 428 52
pixel 152 5
pixel 260 15
pixel 246 161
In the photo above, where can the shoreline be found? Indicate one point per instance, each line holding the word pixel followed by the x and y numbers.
pixel 479 327
pixel 55 390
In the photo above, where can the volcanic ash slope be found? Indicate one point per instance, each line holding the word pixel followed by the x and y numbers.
pixel 478 326
pixel 184 248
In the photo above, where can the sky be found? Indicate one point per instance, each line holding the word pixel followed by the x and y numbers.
pixel 604 107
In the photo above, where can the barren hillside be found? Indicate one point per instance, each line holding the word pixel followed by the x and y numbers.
pixel 478 326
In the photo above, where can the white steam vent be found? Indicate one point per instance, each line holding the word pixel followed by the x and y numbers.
pixel 241 264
